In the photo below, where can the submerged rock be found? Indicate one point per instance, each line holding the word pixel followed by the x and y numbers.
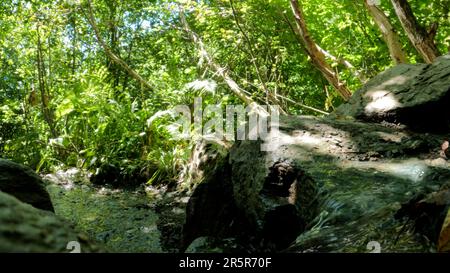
pixel 27 229
pixel 122 220
pixel 24 184
pixel 204 245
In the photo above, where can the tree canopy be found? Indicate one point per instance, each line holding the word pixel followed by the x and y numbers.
pixel 84 82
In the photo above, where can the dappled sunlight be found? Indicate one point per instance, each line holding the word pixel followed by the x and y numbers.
pixel 397 137
pixel 306 138
pixel 363 173
pixel 277 139
pixel 381 101
pixel 398 80
pixel 321 139
pixel 182 126
pixel 412 169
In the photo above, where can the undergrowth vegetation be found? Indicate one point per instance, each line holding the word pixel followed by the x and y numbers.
pixel 69 98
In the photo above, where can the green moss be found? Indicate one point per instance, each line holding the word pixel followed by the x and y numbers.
pixel 120 219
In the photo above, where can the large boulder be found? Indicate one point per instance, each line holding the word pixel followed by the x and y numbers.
pixel 27 229
pixel 24 184
pixel 325 185
pixel 415 95
pixel 209 173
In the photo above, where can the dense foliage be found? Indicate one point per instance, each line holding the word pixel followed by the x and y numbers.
pixel 65 102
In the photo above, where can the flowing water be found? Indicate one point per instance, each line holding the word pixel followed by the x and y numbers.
pixel 123 220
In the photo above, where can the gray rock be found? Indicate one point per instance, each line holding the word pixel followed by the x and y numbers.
pixel 211 211
pixel 415 95
pixel 24 184
pixel 328 186
pixel 27 229
pixel 334 184
pixel 211 208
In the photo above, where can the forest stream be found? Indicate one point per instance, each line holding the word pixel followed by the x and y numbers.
pixel 123 220
pixel 236 127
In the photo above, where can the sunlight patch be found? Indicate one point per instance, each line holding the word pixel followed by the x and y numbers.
pixel 382 100
pixel 413 170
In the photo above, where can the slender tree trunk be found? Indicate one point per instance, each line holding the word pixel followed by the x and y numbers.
pixel 113 43
pixel 358 74
pixel 49 70
pixel 113 56
pixel 48 116
pixel 126 78
pixel 390 36
pixel 73 24
pixel 219 70
pixel 421 39
pixel 316 55
pixel 252 55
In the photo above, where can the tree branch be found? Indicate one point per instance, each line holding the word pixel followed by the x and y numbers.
pixel 111 54
pixel 220 71
pixel 419 37
pixel 317 56
pixel 390 36
pixel 251 51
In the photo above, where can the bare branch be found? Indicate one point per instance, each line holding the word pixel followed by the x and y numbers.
pixel 111 54
pixel 316 55
pixel 219 70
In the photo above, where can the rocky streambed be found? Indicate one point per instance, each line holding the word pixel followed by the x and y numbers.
pixel 373 176
pixel 64 212
pixel 374 173
pixel 142 219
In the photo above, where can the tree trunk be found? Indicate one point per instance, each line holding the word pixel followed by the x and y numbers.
pixel 358 74
pixel 48 115
pixel 316 55
pixel 73 24
pixel 269 96
pixel 421 39
pixel 221 71
pixel 111 54
pixel 390 36
pixel 113 67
